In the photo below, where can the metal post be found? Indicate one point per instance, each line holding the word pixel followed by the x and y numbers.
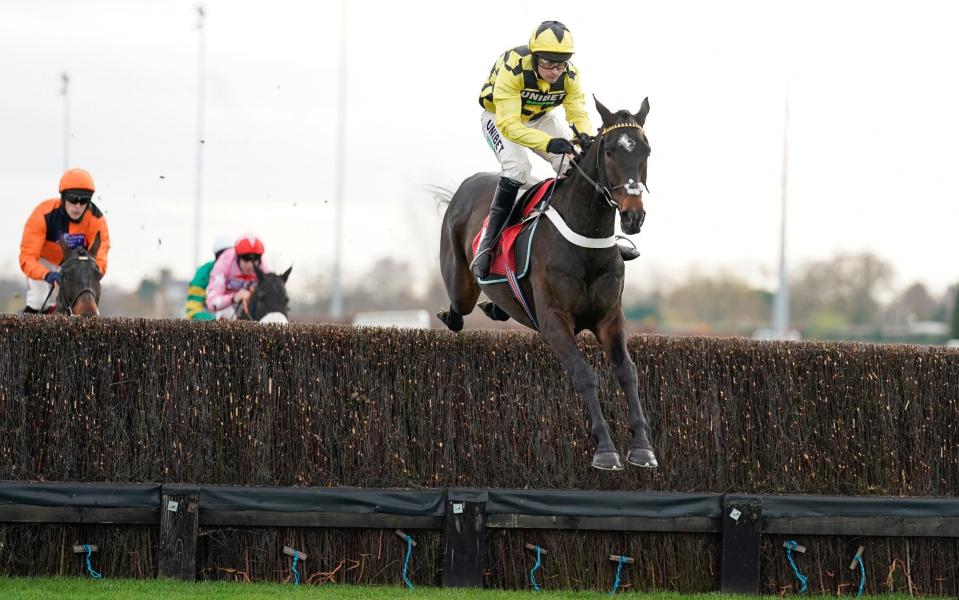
pixel 200 103
pixel 781 301
pixel 336 299
pixel 65 92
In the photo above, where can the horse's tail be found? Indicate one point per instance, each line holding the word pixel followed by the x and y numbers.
pixel 442 195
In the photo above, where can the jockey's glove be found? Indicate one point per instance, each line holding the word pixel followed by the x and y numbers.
pixel 559 146
pixel 52 277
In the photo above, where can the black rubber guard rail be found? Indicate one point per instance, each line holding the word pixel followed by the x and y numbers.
pixel 244 506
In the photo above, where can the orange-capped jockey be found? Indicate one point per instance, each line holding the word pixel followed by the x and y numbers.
pixel 73 215
pixel 234 275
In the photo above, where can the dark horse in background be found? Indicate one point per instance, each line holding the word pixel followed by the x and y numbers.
pixel 79 289
pixel 571 288
pixel 269 302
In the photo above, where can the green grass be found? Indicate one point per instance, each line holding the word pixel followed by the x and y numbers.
pixel 76 588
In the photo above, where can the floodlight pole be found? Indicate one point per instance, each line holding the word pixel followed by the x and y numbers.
pixel 200 105
pixel 336 297
pixel 65 92
pixel 781 301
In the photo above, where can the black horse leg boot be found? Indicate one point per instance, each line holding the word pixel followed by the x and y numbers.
pixel 628 252
pixel 499 211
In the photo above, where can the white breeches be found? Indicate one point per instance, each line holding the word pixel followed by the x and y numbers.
pixel 38 290
pixel 513 159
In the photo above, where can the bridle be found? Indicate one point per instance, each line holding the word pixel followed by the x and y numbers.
pixel 633 188
pixel 87 290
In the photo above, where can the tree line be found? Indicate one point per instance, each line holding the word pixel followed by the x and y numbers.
pixel 846 296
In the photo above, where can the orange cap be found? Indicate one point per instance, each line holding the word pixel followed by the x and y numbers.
pixel 76 179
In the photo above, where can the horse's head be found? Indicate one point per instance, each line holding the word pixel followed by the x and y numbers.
pixel 622 152
pixel 79 280
pixel 269 302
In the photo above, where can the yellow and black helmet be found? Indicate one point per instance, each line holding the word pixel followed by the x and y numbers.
pixel 552 41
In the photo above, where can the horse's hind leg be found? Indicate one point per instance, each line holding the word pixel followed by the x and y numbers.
pixel 461 286
pixel 452 319
pixel 612 335
pixel 493 312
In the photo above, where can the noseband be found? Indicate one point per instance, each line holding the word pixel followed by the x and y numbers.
pixel 602 186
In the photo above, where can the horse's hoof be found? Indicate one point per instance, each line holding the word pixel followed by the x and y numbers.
pixel 607 461
pixel 642 457
pixel 454 321
pixel 493 312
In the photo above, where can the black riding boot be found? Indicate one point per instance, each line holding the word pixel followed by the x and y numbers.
pixel 499 210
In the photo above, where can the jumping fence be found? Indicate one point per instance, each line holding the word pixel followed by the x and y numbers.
pixel 825 443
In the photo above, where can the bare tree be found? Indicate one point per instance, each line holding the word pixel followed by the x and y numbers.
pixel 726 301
pixel 849 285
pixel 914 303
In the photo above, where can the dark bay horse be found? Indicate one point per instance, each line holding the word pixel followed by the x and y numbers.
pixel 570 288
pixel 268 301
pixel 79 292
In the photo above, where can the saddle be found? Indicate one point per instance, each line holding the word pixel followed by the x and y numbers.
pixel 511 254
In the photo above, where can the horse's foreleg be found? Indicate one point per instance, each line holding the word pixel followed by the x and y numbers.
pixel 612 335
pixel 557 329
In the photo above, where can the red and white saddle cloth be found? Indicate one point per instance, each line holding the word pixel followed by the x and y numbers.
pixel 511 255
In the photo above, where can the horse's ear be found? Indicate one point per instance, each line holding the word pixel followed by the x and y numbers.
pixel 643 111
pixel 286 274
pixel 603 112
pixel 96 246
pixel 256 269
pixel 63 244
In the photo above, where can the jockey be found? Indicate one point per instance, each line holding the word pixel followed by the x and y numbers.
pixel 73 215
pixel 518 98
pixel 234 276
pixel 196 293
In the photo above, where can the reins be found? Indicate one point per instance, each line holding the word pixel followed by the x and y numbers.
pixel 244 305
pixel 43 306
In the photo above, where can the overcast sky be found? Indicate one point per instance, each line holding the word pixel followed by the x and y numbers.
pixel 874 137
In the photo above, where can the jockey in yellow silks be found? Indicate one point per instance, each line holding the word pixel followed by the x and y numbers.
pixel 518 99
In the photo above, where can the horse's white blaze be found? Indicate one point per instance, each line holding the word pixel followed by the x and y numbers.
pixel 626 142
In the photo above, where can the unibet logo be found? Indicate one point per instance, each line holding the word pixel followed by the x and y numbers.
pixel 534 98
pixel 493 137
